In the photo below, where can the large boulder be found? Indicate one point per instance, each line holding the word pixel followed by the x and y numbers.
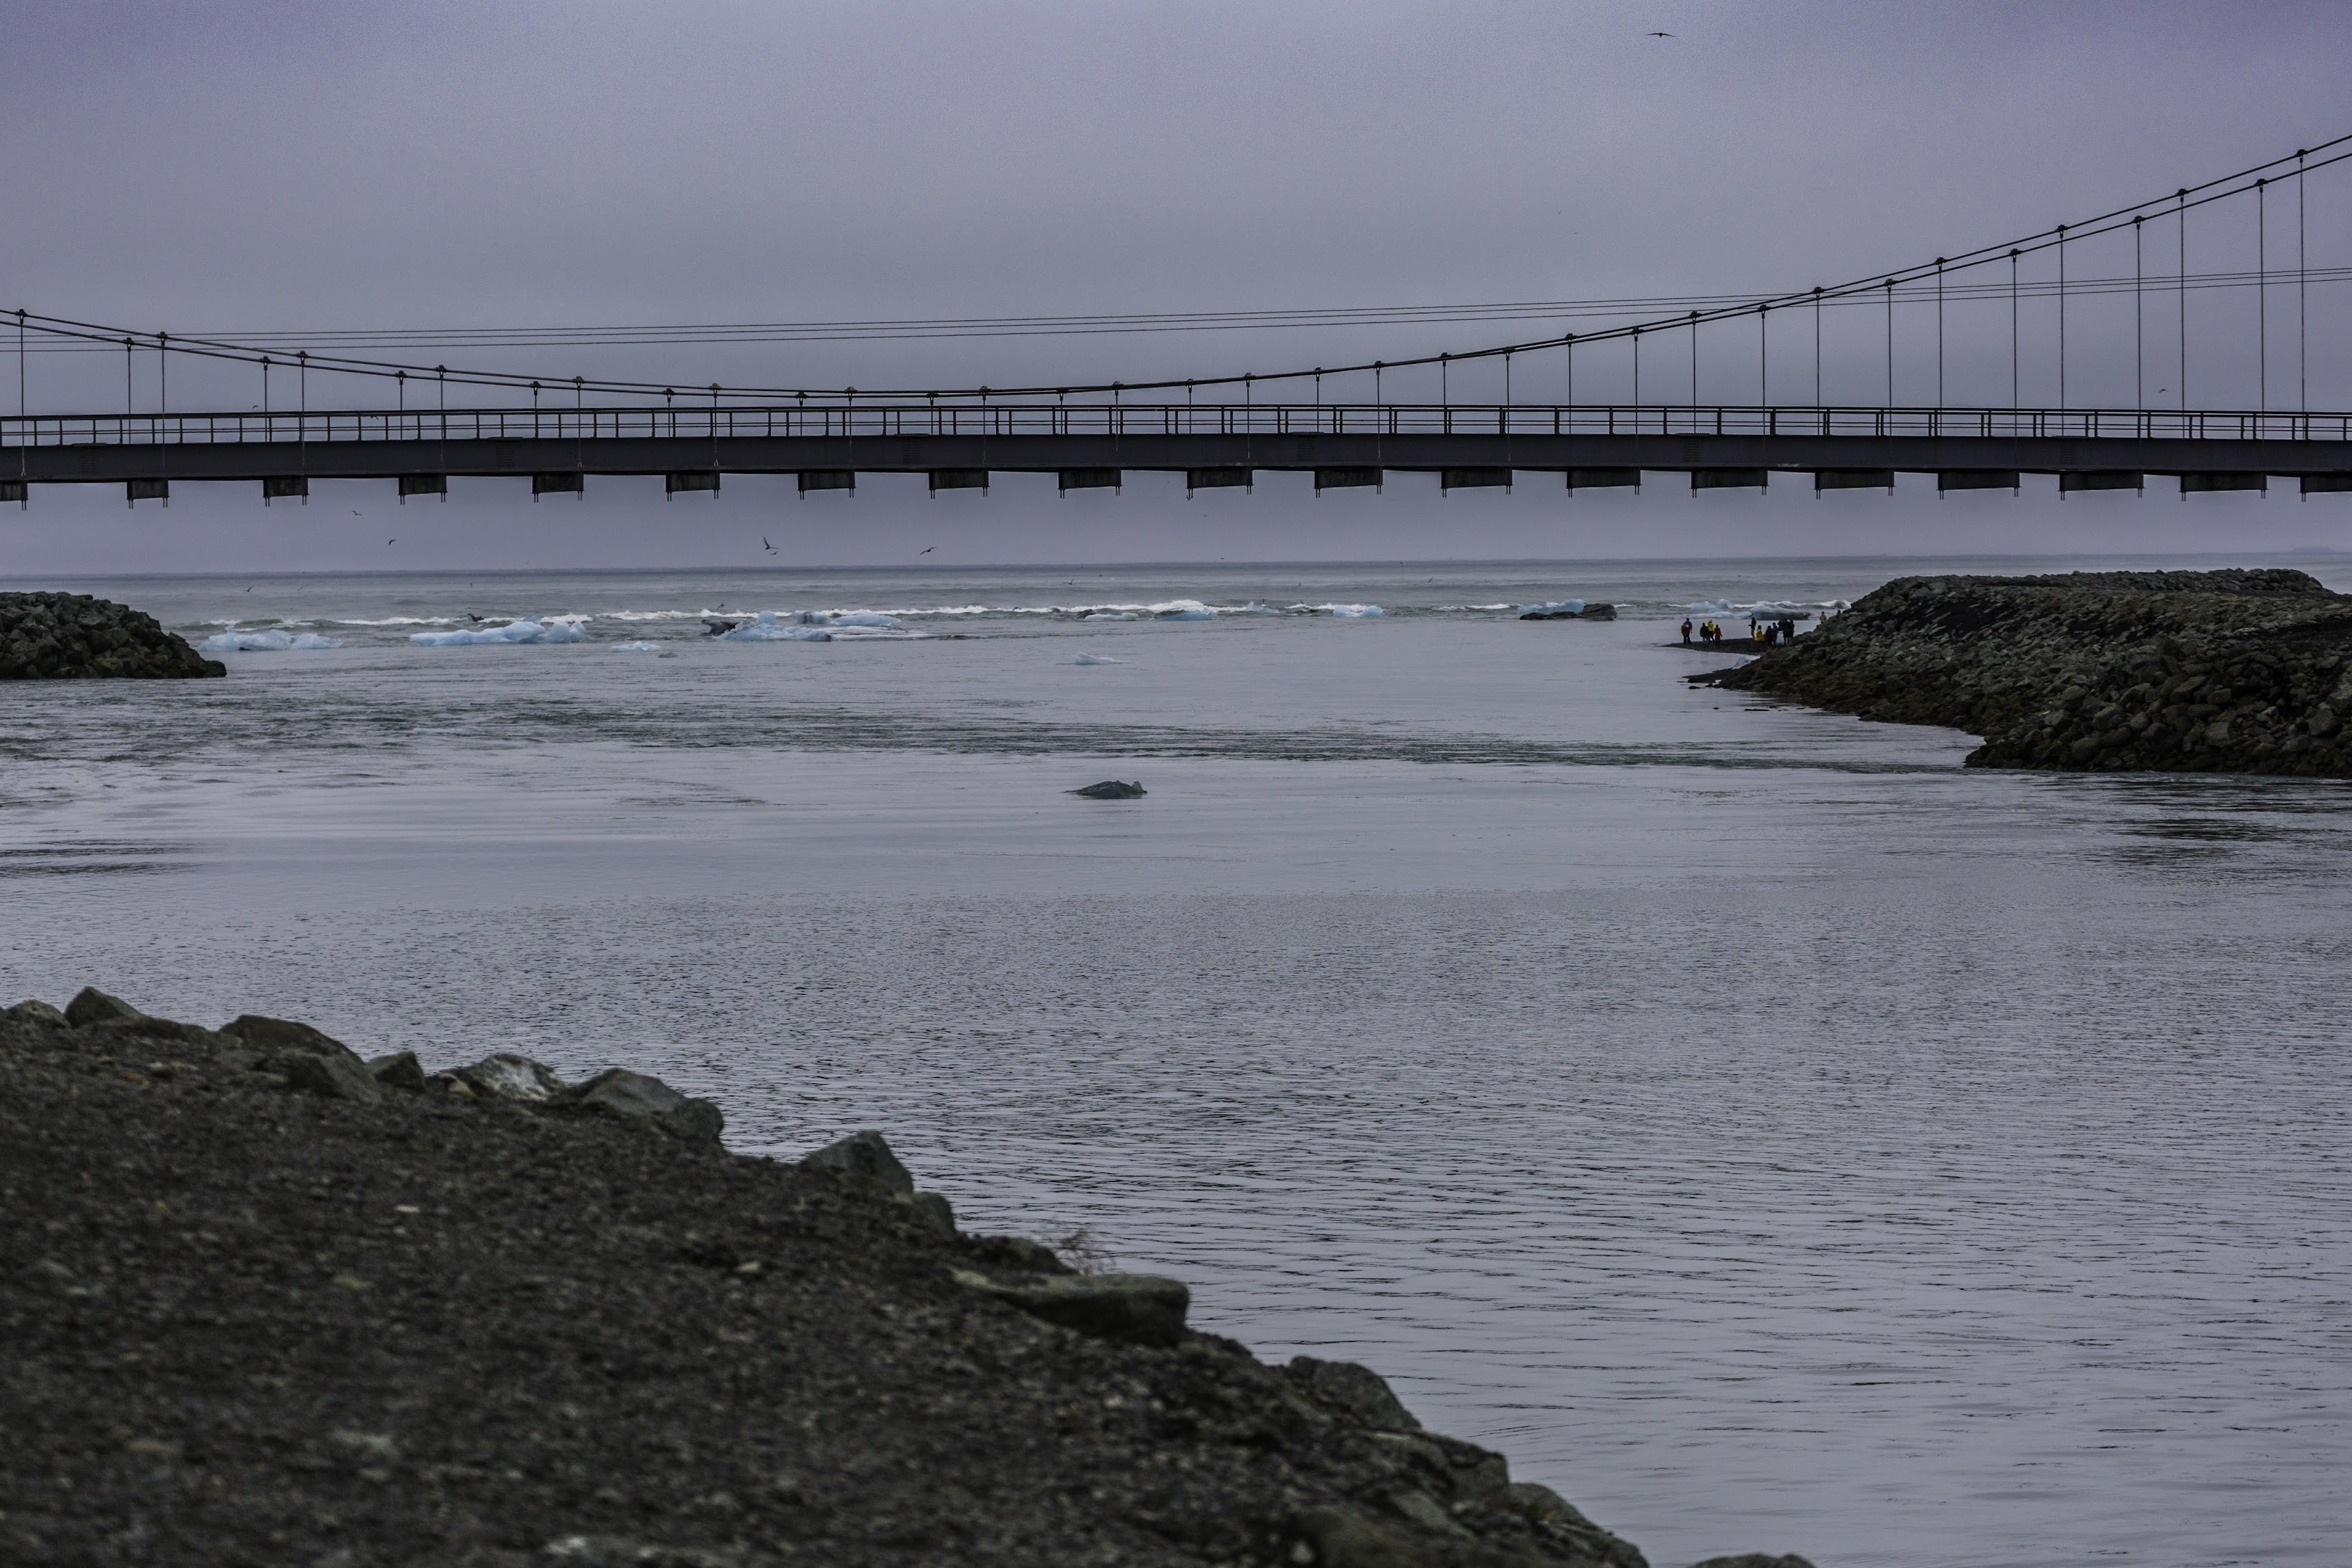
pixel 865 1154
pixel 502 1075
pixel 633 1097
pixel 1358 1391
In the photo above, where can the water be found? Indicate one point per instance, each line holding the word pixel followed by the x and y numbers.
pixel 1769 1133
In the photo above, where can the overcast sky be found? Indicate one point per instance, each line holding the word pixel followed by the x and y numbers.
pixel 226 167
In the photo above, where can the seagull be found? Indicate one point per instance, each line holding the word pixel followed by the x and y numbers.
pixel 1657 35
pixel 927 549
pixel 392 541
pixel 766 546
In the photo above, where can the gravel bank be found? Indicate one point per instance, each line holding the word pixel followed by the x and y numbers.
pixel 2209 672
pixel 265 1302
pixel 66 636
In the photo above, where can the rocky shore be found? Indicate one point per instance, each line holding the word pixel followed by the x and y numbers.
pixel 266 1301
pixel 2207 672
pixel 69 636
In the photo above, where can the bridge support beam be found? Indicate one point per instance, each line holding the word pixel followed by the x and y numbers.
pixel 692 480
pixel 1853 479
pixel 1071 479
pixel 2313 484
pixel 1473 479
pixel 1217 479
pixel 424 485
pixel 137 490
pixel 15 490
pixel 1730 479
pixel 828 479
pixel 1347 479
pixel 1976 479
pixel 1603 479
pixel 2199 484
pixel 2101 479
pixel 572 483
pixel 958 479
pixel 295 485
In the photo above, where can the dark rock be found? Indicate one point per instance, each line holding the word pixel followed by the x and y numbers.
pixel 934 1210
pixel 1020 1252
pixel 1111 790
pixel 502 1075
pixel 398 1070
pixel 865 1154
pixel 267 1034
pixel 1360 1391
pixel 35 1011
pixel 331 1075
pixel 66 636
pixel 634 1097
pixel 1755 1560
pixel 2237 671
pixel 1132 1309
pixel 92 1006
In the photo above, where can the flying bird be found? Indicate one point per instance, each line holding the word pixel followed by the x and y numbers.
pixel 392 541
pixel 766 546
pixel 1657 35
pixel 927 549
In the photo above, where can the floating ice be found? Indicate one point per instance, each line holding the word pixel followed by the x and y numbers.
pixel 1096 659
pixel 1557 607
pixel 313 640
pixel 1348 611
pixel 871 618
pixel 1183 610
pixel 1112 615
pixel 636 647
pixel 554 629
pixel 767 628
pixel 247 643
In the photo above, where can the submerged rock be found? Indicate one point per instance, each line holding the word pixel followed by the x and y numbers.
pixel 1111 790
pixel 2210 672
pixel 69 636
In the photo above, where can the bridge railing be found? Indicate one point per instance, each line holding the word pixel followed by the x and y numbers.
pixel 862 421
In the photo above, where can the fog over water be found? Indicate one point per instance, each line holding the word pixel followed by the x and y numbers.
pixel 1767 1132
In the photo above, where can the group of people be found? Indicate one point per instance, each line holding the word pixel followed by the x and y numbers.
pixel 1770 634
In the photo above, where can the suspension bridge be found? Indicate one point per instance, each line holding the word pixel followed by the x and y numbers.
pixel 1224 432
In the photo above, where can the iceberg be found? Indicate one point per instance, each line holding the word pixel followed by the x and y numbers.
pixel 1351 612
pixel 554 629
pixel 1558 607
pixel 1096 659
pixel 636 647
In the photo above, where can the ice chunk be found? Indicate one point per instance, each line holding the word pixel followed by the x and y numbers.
pixel 1351 612
pixel 768 628
pixel 236 642
pixel 311 640
pixel 1557 607
pixel 862 618
pixel 636 647
pixel 1112 615
pixel 554 629
pixel 1096 659
pixel 1185 610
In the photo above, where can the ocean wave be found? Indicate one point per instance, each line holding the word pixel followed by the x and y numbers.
pixel 266 642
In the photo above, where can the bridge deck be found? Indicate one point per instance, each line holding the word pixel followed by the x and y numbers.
pixel 1045 438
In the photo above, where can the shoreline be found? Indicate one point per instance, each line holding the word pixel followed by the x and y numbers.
pixel 274 1303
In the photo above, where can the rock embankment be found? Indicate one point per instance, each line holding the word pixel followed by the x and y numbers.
pixel 266 1301
pixel 67 636
pixel 2210 672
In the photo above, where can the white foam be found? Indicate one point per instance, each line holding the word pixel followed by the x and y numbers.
pixel 1183 610
pixel 271 642
pixel 552 629
pixel 636 647
pixel 1347 611
pixel 1096 659
pixel 1255 607
pixel 1111 615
